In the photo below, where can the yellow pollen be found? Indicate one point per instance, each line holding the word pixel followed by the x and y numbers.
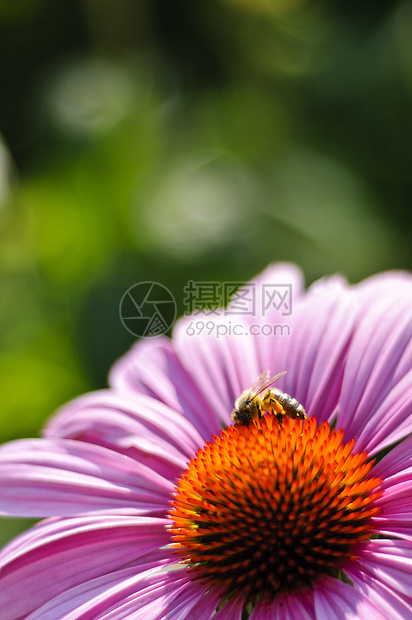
pixel 268 509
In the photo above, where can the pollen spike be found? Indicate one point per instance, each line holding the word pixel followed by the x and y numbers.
pixel 261 491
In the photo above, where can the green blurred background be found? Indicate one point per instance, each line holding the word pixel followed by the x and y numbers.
pixel 178 140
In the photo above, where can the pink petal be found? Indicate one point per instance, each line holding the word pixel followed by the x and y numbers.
pixel 380 356
pixel 314 354
pixel 379 603
pixel 268 307
pixel 373 580
pixel 148 598
pixel 168 595
pixel 390 563
pixel 222 366
pixel 388 284
pixel 221 351
pixel 40 477
pixel 395 516
pixel 393 465
pixel 391 421
pixel 93 597
pixel 60 554
pixel 275 274
pixel 152 367
pixel 270 320
pixel 287 607
pixel 336 600
pixel 140 426
pixel 232 609
pixel 192 602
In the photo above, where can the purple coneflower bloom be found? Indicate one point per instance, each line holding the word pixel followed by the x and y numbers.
pixel 159 507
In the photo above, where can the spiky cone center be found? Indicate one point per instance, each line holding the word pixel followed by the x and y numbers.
pixel 267 509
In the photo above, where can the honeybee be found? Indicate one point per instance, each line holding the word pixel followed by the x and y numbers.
pixel 261 398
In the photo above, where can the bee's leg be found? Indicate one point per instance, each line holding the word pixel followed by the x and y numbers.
pixel 273 405
pixel 259 410
pixel 279 417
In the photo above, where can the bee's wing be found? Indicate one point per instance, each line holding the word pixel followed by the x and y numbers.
pixel 263 382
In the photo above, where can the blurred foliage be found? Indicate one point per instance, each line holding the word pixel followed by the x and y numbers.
pixel 175 141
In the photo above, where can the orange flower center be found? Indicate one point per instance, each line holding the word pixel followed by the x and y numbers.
pixel 266 509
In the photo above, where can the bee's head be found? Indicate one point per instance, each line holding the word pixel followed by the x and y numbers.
pixel 238 417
